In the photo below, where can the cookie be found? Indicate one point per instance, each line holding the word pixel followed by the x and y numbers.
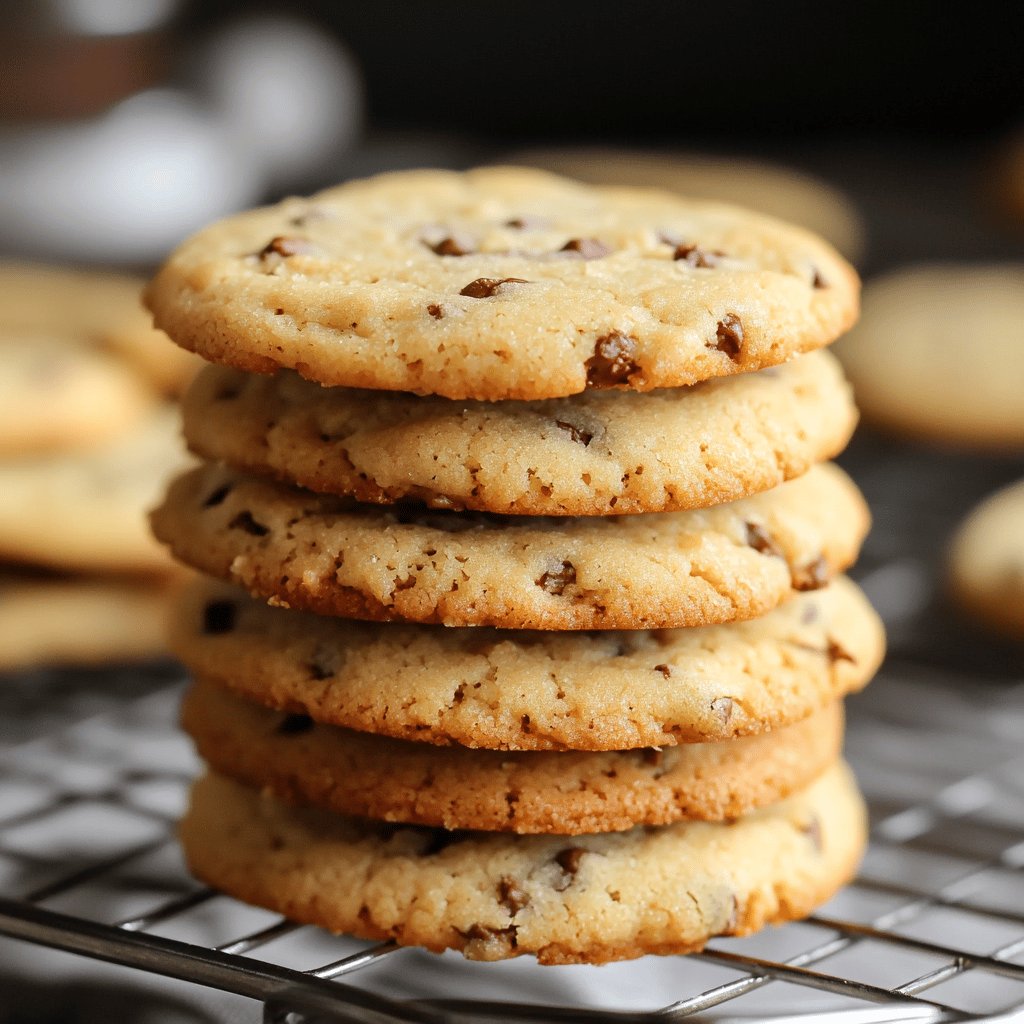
pixel 579 899
pixel 782 192
pixel 358 773
pixel 501 283
pixel 79 622
pixel 58 396
pixel 939 354
pixel 535 691
pixel 987 561
pixel 87 510
pixel 329 555
pixel 98 309
pixel 601 453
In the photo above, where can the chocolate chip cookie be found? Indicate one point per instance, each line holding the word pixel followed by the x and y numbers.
pixel 535 690
pixel 600 453
pixel 502 283
pixel 664 569
pixel 563 899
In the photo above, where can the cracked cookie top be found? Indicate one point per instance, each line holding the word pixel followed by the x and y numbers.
pixel 502 283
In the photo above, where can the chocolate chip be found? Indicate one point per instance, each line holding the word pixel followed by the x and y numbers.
pixel 728 336
pixel 653 756
pixel 722 707
pixel 282 245
pixel 836 652
pixel 569 861
pixel 218 496
pixel 664 670
pixel 512 896
pixel 453 245
pixel 818 281
pixel 577 435
pixel 528 223
pixel 245 521
pixel 294 725
pixel 219 617
pixel 587 248
pixel 435 311
pixel 694 256
pixel 761 540
pixel 556 581
pixel 812 576
pixel 613 361
pixel 485 287
pixel 496 940
pixel 813 832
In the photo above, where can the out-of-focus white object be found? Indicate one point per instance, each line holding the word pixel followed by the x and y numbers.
pixel 124 187
pixel 285 92
pixel 267 104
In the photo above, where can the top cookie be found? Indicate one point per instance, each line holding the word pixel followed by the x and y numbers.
pixel 502 283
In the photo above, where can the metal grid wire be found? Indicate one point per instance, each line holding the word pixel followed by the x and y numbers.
pixel 932 930
pixel 937 913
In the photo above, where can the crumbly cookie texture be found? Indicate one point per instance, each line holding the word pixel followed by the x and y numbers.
pixel 502 283
pixel 563 899
pixel 782 192
pixel 535 691
pixel 602 453
pixel 565 792
pixel 987 561
pixel 58 396
pixel 49 622
pixel 666 569
pixel 87 510
pixel 98 310
pixel 939 354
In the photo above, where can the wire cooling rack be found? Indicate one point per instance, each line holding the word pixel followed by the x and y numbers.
pixel 933 929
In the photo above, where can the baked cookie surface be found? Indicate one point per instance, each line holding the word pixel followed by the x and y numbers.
pixel 501 283
pixel 563 899
pixel 939 354
pixel 601 453
pixel 987 561
pixel 535 690
pixel 564 792
pixel 666 569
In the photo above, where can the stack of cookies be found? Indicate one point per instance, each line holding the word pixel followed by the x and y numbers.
pixel 523 628
pixel 87 443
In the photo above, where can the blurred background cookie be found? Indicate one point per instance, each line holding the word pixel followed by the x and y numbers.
pixel 987 561
pixel 87 440
pixel 938 354
pixel 791 195
pixel 76 622
pixel 86 511
pixel 95 310
pixel 56 395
